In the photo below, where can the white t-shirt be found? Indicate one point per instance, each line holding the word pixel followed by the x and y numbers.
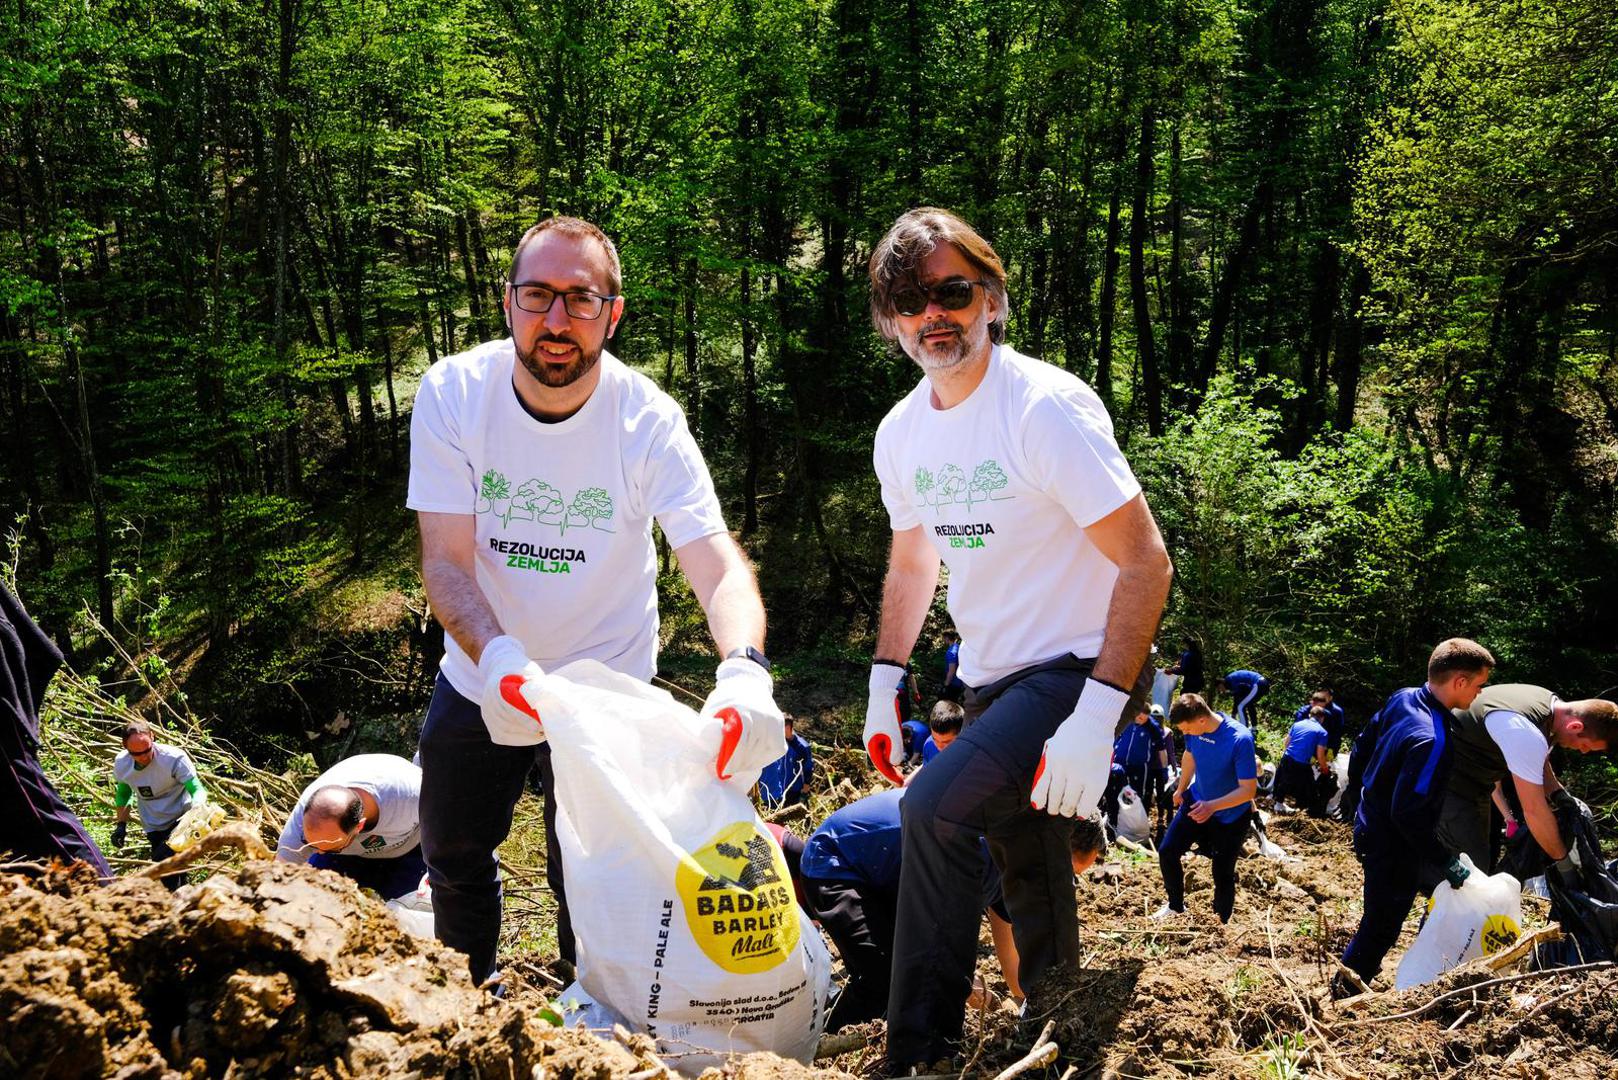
pixel 1523 744
pixel 1004 484
pixel 392 781
pixel 159 787
pixel 563 511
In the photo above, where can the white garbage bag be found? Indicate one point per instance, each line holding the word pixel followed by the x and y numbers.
pixel 1133 823
pixel 683 909
pixel 1339 769
pixel 1163 685
pixel 415 910
pixel 1480 918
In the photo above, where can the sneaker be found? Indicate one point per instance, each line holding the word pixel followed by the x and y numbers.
pixel 1165 913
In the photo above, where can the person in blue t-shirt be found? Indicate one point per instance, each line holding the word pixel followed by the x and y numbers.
pixel 954 688
pixel 1334 721
pixel 1406 767
pixel 1220 770
pixel 850 876
pixel 1303 761
pixel 785 780
pixel 1246 688
pixel 945 723
pixel 915 734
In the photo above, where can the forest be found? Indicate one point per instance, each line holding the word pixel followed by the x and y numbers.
pixel 1345 272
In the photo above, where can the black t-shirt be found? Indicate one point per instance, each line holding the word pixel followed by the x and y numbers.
pixel 1191 680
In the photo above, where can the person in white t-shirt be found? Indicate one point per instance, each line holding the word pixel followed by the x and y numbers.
pixel 1005 468
pixel 537 466
pixel 361 818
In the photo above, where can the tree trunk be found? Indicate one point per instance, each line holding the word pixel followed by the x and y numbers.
pixel 1351 346
pixel 291 467
pixel 1139 225
pixel 693 363
pixel 1224 301
pixel 1109 288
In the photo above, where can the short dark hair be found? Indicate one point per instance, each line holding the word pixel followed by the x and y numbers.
pixel 324 800
pixel 911 239
pixel 1088 837
pixel 1458 654
pixel 1600 719
pixel 1188 707
pixel 572 226
pixel 1317 713
pixel 946 718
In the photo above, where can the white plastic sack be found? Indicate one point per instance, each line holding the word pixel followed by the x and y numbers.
pixel 1480 918
pixel 683 909
pixel 415 910
pixel 1339 769
pixel 1163 685
pixel 1133 824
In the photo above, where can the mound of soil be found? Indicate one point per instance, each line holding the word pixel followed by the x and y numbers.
pixel 271 970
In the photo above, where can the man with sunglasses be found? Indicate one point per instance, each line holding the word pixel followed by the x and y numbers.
pixel 1005 468
pixel 164 781
pixel 537 466
pixel 362 819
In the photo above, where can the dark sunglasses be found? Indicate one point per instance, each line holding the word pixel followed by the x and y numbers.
pixel 951 295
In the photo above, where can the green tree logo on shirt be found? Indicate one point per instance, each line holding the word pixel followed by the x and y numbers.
pixel 987 479
pixel 924 482
pixel 951 486
pixel 591 507
pixel 535 501
pixel 493 488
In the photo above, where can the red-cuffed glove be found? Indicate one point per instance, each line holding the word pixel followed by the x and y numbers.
pixel 883 740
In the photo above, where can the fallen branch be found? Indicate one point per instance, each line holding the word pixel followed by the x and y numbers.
pixel 788 813
pixel 1525 945
pixel 1474 987
pixel 239 835
pixel 844 1042
pixel 1298 1002
pixel 1043 1053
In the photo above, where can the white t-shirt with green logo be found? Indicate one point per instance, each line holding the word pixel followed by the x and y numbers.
pixel 564 511
pixel 392 781
pixel 159 787
pixel 1003 485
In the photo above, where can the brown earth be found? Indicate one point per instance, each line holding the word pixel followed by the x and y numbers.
pixel 271 970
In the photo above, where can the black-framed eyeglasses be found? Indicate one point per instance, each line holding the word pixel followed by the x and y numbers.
pixel 951 295
pixel 537 299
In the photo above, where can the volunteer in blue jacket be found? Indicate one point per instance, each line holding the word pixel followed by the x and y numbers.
pixel 1406 775
pixel 1142 751
pixel 1303 761
pixel 1334 719
pixel 954 688
pixel 1246 688
pixel 785 780
pixel 850 877
pixel 915 734
pixel 1220 771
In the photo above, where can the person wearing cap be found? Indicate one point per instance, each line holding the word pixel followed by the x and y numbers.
pixel 1303 760
pixel 165 783
pixel 1407 764
pixel 362 819
pixel 785 781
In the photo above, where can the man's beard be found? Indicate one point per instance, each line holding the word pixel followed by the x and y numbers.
pixel 548 374
pixel 936 360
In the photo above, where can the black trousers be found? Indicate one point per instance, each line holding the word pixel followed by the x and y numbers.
pixel 859 919
pixel 469 791
pixel 159 841
pixel 1221 841
pixel 1393 874
pixel 980 788
pixel 1295 783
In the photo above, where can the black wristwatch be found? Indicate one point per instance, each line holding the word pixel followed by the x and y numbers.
pixel 752 654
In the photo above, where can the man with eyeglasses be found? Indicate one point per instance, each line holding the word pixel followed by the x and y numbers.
pixel 1006 469
pixel 164 781
pixel 537 466
pixel 362 819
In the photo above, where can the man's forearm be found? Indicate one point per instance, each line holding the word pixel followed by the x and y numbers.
pixel 907 593
pixel 735 611
pixel 460 606
pixel 1133 614
pixel 1541 821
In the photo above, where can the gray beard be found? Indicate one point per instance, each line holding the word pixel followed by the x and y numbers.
pixel 934 361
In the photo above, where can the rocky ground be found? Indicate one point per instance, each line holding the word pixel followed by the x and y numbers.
pixel 268 970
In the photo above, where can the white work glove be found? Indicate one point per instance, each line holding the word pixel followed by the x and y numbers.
pixel 1072 773
pixel 752 729
pixel 883 740
pixel 510 693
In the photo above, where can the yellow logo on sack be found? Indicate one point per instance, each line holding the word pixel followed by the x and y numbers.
pixel 1499 932
pixel 738 900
